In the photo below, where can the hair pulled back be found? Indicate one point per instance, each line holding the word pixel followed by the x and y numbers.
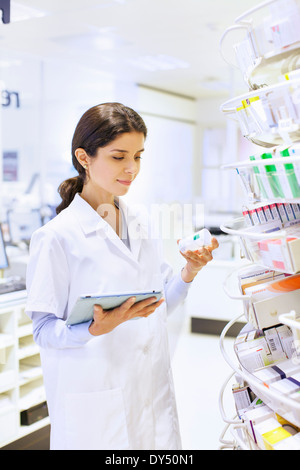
pixel 97 127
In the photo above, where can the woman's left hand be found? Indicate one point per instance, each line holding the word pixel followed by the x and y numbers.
pixel 196 260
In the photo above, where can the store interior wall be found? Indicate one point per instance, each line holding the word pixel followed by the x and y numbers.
pixel 188 142
pixel 52 95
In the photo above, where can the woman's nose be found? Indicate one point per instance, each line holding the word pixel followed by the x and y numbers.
pixel 131 168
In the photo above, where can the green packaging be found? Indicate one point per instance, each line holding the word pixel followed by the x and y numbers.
pixel 274 181
pixel 259 180
pixel 291 175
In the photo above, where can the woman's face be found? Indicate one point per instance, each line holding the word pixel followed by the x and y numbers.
pixel 116 165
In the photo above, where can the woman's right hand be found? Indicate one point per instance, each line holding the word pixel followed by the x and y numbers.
pixel 106 320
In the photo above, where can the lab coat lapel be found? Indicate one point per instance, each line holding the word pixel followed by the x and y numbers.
pixel 107 232
pixel 136 229
pixel 91 222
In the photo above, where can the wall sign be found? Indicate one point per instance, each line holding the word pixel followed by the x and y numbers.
pixel 5 7
pixel 10 98
pixel 10 166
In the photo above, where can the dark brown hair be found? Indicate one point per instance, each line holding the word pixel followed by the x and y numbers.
pixel 98 126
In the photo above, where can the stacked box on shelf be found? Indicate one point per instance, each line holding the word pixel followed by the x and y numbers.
pixel 272 244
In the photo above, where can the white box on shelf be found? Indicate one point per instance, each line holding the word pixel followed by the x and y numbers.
pixel 262 428
pixel 287 340
pixel 254 355
pixel 285 386
pixel 287 368
pixel 275 345
pixel 290 443
pixel 267 311
pixel 9 417
pixel 277 249
pixel 267 375
pixel 255 416
pixel 8 379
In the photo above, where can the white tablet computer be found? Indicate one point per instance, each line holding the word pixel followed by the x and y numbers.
pixel 83 310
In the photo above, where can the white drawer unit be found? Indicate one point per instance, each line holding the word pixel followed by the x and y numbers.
pixel 21 379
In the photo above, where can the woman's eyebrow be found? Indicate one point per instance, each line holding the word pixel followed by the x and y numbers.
pixel 125 151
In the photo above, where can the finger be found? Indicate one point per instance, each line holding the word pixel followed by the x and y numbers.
pixel 151 308
pixel 98 312
pixel 98 309
pixel 199 256
pixel 213 245
pixel 183 253
pixel 144 303
pixel 126 305
pixel 199 261
pixel 148 313
pixel 200 250
pixel 206 254
pixel 153 305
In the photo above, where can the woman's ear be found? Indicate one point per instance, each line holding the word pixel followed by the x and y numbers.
pixel 82 157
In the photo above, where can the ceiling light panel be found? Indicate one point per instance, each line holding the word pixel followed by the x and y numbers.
pixel 21 12
pixel 56 6
pixel 159 62
pixel 103 40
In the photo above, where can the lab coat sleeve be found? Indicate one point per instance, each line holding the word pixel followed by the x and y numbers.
pixel 52 332
pixel 176 291
pixel 47 277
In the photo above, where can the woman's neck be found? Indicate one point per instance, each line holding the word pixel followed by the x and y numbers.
pixel 96 198
pixel 105 206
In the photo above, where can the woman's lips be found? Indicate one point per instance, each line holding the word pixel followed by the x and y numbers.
pixel 125 182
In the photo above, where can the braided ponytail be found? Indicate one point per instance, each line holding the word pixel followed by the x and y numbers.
pixel 67 190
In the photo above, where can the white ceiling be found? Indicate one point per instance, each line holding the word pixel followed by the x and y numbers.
pixel 177 41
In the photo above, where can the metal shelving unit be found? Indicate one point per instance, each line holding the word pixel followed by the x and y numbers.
pixel 268 115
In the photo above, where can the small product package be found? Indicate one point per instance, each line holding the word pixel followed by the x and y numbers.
pixel 195 241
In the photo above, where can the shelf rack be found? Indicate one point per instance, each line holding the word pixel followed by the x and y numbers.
pixel 21 379
pixel 260 185
pixel 269 116
pixel 255 53
pixel 251 379
pixel 288 259
pixel 260 118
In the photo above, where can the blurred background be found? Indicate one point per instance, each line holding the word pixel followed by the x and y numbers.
pixel 162 58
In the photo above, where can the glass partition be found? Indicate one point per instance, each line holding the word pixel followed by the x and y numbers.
pixel 42 101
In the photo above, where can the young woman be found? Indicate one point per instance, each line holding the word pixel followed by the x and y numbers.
pixel 108 381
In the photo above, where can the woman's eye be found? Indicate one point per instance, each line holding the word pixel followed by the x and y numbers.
pixel 138 157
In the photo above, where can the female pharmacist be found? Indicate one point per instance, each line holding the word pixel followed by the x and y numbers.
pixel 108 381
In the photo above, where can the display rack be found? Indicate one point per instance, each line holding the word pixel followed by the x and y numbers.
pixel 270 47
pixel 268 115
pixel 22 395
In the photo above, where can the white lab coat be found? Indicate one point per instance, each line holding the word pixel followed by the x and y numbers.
pixel 113 391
